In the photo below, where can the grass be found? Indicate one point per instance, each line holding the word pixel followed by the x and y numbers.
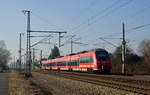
pixel 46 84
pixel 72 87
pixel 18 85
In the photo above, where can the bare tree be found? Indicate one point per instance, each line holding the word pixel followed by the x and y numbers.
pixel 144 50
pixel 4 54
pixel 54 53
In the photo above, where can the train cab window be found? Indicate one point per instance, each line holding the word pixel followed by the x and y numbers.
pixel 102 56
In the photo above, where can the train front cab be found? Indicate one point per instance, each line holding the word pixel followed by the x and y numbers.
pixel 103 61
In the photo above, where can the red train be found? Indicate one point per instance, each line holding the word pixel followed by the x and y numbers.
pixel 93 60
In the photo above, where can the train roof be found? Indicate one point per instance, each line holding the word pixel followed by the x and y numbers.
pixel 96 49
pixel 92 50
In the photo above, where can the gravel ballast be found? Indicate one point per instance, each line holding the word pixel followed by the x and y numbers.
pixel 63 86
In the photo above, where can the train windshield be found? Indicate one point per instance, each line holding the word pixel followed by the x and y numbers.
pixel 102 56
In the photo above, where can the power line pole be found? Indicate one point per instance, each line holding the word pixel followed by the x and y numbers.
pixel 28 48
pixel 33 58
pixel 123 50
pixel 14 63
pixel 20 61
pixel 25 66
pixel 41 55
pixel 20 52
pixel 71 45
pixel 59 38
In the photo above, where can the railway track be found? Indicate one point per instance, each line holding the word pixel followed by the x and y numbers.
pixel 119 82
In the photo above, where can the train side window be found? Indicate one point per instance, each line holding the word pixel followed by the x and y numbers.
pixel 80 59
pixel 75 62
pixel 71 63
pixel 91 59
pixel 58 64
pixel 65 63
pixel 86 59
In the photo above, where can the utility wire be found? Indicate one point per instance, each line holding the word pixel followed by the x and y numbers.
pixel 92 3
pixel 113 10
pixel 46 21
pixel 138 27
pixel 130 30
pixel 138 12
pixel 101 12
pixel 40 41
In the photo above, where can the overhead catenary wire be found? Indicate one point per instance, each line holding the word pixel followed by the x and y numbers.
pixel 135 14
pixel 47 21
pixel 91 4
pixel 106 9
pixel 111 11
pixel 138 12
pixel 40 41
pixel 128 30
pixel 99 13
pixel 138 27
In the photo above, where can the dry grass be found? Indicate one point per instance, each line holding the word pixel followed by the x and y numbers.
pixel 72 87
pixel 18 85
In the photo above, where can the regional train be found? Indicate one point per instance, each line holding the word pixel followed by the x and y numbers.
pixel 89 61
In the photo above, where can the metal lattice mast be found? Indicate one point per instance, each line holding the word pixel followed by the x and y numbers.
pixel 28 47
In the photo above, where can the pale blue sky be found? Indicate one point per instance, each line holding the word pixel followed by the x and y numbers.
pixel 87 19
